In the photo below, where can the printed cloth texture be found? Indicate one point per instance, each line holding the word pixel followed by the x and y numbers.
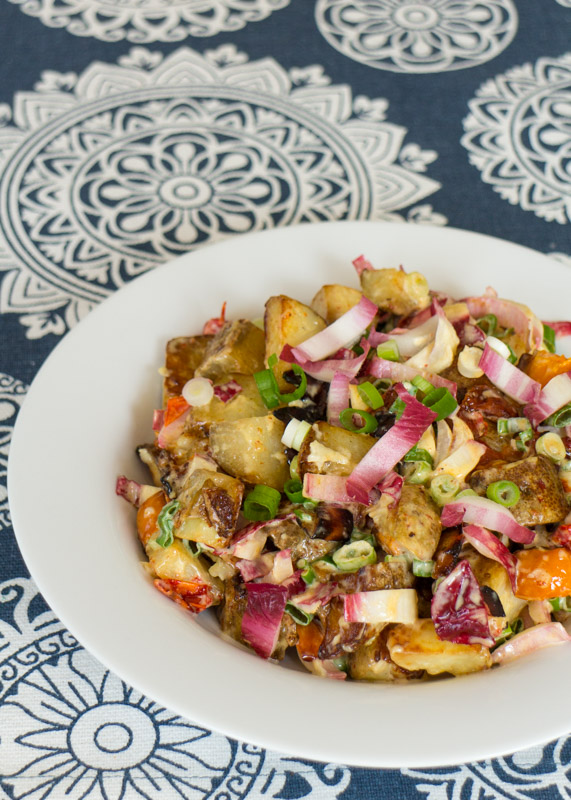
pixel 132 132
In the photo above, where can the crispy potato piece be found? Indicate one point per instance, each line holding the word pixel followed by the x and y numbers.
pixel 182 357
pixel 287 321
pixel 176 563
pixel 329 449
pixel 413 526
pixel 209 508
pixel 246 403
pixel 371 661
pixel 416 646
pixel 334 300
pixel 237 347
pixel 251 449
pixel 395 290
pixel 542 498
pixel 340 636
pixel 382 575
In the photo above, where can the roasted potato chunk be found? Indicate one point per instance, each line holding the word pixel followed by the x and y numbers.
pixel 237 347
pixel 209 508
pixel 417 646
pixel 542 499
pixel 334 300
pixel 382 575
pixel 246 403
pixel 491 573
pixel 329 449
pixel 287 321
pixel 176 563
pixel 251 449
pixel 413 526
pixel 395 290
pixel 371 661
pixel 182 357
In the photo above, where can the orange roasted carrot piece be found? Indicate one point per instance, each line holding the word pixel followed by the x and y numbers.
pixel 147 516
pixel 544 366
pixel 543 574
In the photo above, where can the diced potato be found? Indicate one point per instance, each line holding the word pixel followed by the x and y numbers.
pixel 251 449
pixel 412 527
pixel 417 646
pixel 395 290
pixel 247 403
pixel 212 498
pixel 175 562
pixel 182 357
pixel 334 300
pixel 237 347
pixel 491 573
pixel 542 499
pixel 287 321
pixel 331 450
pixel 371 661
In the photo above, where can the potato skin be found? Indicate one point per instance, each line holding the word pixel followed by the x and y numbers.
pixel 237 347
pixel 183 356
pixel 417 646
pixel 371 661
pixel 287 321
pixel 334 300
pixel 413 526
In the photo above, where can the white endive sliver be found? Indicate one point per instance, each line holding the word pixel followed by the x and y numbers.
pixel 198 391
pixel 295 432
pixel 344 332
pixel 381 605
pixel 499 346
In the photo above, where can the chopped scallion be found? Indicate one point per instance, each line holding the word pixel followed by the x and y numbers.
pixel 441 402
pixel 506 493
pixel 294 490
pixel 420 474
pixel 388 350
pixel 418 454
pixel 369 425
pixel 561 418
pixel 443 488
pixel 354 555
pixel 549 338
pixel 422 569
pixel 370 395
pixel 488 324
pixel 261 503
pixel 551 446
pixel 422 384
pixel 165 522
pixel 298 615
pixel 397 408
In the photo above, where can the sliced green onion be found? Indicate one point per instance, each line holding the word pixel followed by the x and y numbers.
pixel 549 338
pixel 165 521
pixel 421 472
pixel 295 432
pixel 509 631
pixel 466 493
pixel 267 387
pixel 488 324
pixel 402 559
pixel 522 438
pixel 294 490
pixel 369 425
pixel 443 488
pixel 298 615
pixel 397 408
pixel 298 393
pixel 308 576
pixel 422 384
pixel 506 493
pixel 441 402
pixel 261 503
pixel 418 454
pixel 512 358
pixel 559 604
pixel 513 425
pixel 561 418
pixel 303 516
pixel 354 555
pixel 388 350
pixel 370 395
pixel 362 536
pixel 294 468
pixel 422 569
pixel 551 446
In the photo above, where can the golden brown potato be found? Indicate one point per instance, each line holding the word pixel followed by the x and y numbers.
pixel 413 526
pixel 287 321
pixel 371 661
pixel 417 646
pixel 395 290
pixel 182 357
pixel 331 450
pixel 237 347
pixel 491 573
pixel 542 498
pixel 176 563
pixel 247 403
pixel 251 449
pixel 333 300
pixel 209 500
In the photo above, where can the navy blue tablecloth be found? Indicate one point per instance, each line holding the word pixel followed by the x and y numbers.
pixel 137 130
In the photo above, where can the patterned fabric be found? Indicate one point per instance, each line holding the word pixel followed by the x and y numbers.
pixel 134 131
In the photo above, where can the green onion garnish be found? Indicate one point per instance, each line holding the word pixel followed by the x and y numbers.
pixel 513 425
pixel 561 418
pixel 549 338
pixel 419 454
pixel 512 358
pixel 353 556
pixel 421 472
pixel 308 576
pixel 443 488
pixel 506 493
pixel 403 559
pixel 422 569
pixel 268 386
pixel 522 438
pixel 261 503
pixel 397 408
pixel 559 604
pixel 298 393
pixel 303 516
pixel 362 536
pixel 165 521
pixel 488 324
pixel 369 425
pixel 370 395
pixel 298 615
pixel 422 384
pixel 466 493
pixel 294 490
pixel 441 402
pixel 388 350
pixel 551 446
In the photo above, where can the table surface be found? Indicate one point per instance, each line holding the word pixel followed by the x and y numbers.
pixel 443 112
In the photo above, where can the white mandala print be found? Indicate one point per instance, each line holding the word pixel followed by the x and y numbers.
pixel 566 3
pixel 107 174
pixel 418 35
pixel 538 772
pixel 12 393
pixel 518 134
pixel 146 21
pixel 72 729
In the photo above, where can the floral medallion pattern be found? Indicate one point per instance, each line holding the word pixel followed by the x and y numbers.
pixel 518 135
pixel 418 35
pixel 142 22
pixel 12 393
pixel 107 174
pixel 538 772
pixel 72 729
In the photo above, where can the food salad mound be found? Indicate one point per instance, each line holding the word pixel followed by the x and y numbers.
pixel 379 479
